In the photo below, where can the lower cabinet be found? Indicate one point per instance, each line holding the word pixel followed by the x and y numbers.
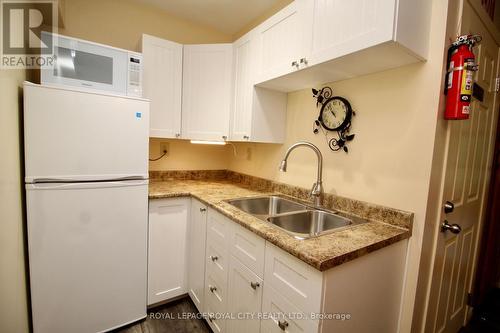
pixel 243 283
pixel 167 248
pixel 196 238
pixel 244 299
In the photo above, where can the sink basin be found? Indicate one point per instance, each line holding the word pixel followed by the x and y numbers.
pixel 309 223
pixel 299 220
pixel 266 206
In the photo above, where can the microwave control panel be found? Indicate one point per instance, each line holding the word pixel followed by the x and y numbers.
pixel 134 86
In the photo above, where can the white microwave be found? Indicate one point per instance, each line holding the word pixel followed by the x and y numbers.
pixel 84 64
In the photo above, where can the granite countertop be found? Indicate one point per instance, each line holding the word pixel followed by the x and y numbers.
pixel 323 252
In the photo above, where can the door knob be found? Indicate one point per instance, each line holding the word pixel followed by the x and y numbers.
pixel 448 207
pixel 454 228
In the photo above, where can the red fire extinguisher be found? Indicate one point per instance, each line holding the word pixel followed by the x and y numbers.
pixel 458 86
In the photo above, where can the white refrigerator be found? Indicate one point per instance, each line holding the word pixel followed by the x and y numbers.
pixel 86 160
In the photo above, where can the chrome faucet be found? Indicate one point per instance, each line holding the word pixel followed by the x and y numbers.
pixel 317 189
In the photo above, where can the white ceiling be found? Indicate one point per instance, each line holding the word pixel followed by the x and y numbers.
pixel 227 16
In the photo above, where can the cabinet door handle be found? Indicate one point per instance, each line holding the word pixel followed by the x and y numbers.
pixel 212 289
pixel 254 285
pixel 203 210
pixel 295 64
pixel 303 61
pixel 246 137
pixel 177 135
pixel 224 137
pixel 282 324
pixel 214 258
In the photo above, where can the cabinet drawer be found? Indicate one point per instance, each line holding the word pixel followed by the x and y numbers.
pixel 300 283
pixel 248 248
pixel 215 293
pixel 282 316
pixel 217 324
pixel 217 261
pixel 218 229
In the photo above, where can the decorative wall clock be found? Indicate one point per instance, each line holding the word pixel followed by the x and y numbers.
pixel 335 116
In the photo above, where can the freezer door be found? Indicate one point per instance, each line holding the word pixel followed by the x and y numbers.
pixel 76 135
pixel 87 255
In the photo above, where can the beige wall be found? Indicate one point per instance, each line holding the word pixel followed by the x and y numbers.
pixel 183 155
pixel 13 300
pixel 390 159
pixel 121 23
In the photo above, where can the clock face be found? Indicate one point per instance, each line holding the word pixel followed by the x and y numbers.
pixel 335 113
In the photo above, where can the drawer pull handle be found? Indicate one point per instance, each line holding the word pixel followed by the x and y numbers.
pixel 282 324
pixel 203 210
pixel 212 289
pixel 254 285
pixel 214 258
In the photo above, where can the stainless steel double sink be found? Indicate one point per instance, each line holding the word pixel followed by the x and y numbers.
pixel 299 220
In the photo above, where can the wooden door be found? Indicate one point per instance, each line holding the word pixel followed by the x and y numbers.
pixel 465 181
pixel 162 77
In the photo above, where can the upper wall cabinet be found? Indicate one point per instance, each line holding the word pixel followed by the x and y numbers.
pixel 343 39
pixel 207 91
pixel 282 41
pixel 258 115
pixel 162 77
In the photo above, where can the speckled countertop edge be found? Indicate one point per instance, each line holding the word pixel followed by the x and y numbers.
pixel 323 252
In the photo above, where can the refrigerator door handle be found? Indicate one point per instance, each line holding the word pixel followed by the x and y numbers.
pixel 76 185
pixel 83 179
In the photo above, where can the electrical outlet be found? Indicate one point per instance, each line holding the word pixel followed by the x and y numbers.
pixel 164 147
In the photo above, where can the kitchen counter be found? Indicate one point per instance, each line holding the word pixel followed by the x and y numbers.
pixel 323 252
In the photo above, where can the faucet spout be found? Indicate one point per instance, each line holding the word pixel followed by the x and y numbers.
pixel 317 189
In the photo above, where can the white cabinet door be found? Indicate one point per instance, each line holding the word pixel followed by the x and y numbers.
pixel 245 298
pixel 244 70
pixel 206 96
pixel 168 220
pixel 341 27
pixel 258 114
pixel 162 78
pixel 282 41
pixel 196 253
